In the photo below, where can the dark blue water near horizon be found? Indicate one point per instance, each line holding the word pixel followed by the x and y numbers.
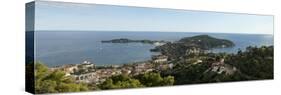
pixel 56 48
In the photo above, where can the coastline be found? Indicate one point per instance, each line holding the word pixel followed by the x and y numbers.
pixel 90 42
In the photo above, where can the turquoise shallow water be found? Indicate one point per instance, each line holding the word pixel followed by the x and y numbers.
pixel 71 47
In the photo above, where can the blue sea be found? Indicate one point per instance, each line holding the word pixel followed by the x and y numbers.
pixel 56 48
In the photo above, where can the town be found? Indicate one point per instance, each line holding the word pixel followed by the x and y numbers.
pixel 88 72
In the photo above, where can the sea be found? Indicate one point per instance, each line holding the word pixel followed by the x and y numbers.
pixel 55 48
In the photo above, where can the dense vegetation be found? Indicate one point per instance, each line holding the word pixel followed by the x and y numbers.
pixel 206 42
pixel 252 64
pixel 143 80
pixel 47 81
pixel 256 63
pixel 201 43
pixel 120 81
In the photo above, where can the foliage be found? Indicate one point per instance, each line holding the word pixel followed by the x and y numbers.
pixel 256 63
pixel 253 63
pixel 143 80
pixel 120 81
pixel 47 81
pixel 180 48
pixel 187 73
pixel 154 79
pixel 207 42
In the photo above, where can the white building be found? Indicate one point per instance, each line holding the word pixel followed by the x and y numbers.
pixel 160 58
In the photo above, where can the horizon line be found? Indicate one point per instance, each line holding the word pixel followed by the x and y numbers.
pixel 149 31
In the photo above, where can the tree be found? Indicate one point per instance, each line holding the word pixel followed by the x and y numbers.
pixel 169 80
pixel 107 84
pixel 142 80
pixel 47 81
pixel 254 62
pixel 150 79
pixel 120 81
pixel 154 79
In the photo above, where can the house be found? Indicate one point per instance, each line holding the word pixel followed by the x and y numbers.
pixel 68 69
pixel 197 61
pixel 171 65
pixel 193 50
pixel 86 65
pixel 160 58
pixel 159 43
pixel 220 67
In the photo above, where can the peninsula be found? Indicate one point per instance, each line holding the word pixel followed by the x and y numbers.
pixel 194 44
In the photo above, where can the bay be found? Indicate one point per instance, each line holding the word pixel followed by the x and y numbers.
pixel 56 48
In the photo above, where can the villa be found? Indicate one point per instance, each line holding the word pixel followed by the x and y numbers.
pixel 160 58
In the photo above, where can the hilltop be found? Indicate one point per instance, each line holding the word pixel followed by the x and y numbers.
pixel 206 42
pixel 194 44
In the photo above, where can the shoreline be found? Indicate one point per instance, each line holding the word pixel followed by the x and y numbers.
pixel 73 57
pixel 87 72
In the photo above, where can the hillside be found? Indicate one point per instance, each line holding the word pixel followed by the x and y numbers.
pixel 189 45
pixel 206 42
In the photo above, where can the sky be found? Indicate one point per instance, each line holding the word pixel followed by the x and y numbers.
pixel 94 17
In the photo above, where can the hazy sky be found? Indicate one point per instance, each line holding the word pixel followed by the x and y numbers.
pixel 70 16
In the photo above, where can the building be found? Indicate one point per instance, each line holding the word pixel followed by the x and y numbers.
pixel 159 43
pixel 68 69
pixel 220 67
pixel 193 50
pixel 159 58
pixel 86 66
